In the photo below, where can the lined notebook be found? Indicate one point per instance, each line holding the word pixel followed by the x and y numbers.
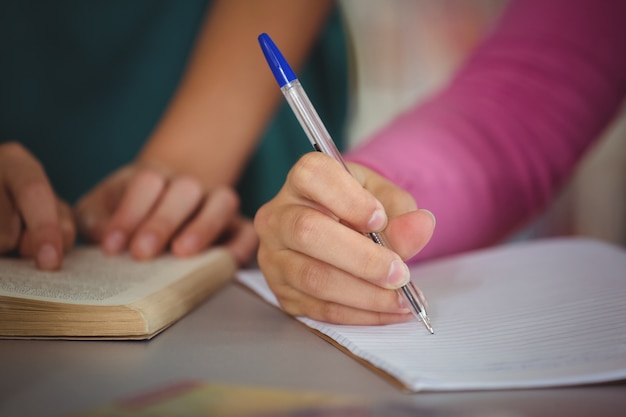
pixel 533 314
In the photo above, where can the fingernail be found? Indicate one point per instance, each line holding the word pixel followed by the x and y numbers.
pixel 398 274
pixel 432 216
pixel 146 245
pixel 47 257
pixel 114 242
pixel 378 219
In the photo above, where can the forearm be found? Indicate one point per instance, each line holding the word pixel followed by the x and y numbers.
pixel 491 150
pixel 227 93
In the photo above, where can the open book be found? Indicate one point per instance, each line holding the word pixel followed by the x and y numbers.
pixel 533 314
pixel 97 296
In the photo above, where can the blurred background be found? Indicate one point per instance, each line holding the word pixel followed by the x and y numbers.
pixel 434 39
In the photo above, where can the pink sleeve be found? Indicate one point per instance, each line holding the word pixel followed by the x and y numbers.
pixel 490 151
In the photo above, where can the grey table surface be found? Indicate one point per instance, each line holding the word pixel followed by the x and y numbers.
pixel 235 338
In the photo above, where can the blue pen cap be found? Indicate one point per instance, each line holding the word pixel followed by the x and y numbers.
pixel 279 66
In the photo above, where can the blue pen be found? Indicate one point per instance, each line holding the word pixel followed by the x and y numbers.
pixel 322 142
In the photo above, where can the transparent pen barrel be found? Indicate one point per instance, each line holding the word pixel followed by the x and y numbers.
pixel 310 120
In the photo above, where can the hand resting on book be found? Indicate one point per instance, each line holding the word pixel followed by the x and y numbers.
pixel 33 220
pixel 138 208
pixel 145 208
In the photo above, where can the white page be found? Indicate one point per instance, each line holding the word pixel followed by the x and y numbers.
pixel 89 276
pixel 534 314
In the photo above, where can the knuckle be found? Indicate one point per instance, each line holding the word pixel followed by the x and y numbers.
pixel 379 319
pixel 380 300
pixel 308 167
pixel 312 278
pixel 360 211
pixel 373 265
pixel 189 185
pixel 369 264
pixel 304 224
pixel 332 313
pixel 149 178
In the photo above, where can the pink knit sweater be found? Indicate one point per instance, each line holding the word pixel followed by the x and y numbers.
pixel 490 150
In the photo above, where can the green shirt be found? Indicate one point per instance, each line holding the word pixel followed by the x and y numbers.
pixel 83 84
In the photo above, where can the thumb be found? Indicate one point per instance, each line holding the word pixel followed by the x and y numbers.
pixel 410 232
pixel 94 210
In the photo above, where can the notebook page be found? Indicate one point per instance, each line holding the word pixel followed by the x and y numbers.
pixel 533 314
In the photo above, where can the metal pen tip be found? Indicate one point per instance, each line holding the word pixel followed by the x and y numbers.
pixel 424 318
pixel 418 305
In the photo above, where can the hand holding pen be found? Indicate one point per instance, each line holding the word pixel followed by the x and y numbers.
pixel 322 250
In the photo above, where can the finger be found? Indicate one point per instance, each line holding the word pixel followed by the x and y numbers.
pixel 217 212
pixel 410 232
pixel 68 226
pixel 395 200
pixel 341 314
pixel 301 304
pixel 10 225
pixel 318 236
pixel 413 228
pixel 322 180
pixel 179 200
pixel 44 244
pixel 141 195
pixel 68 232
pixel 298 303
pixel 328 284
pixel 94 210
pixel 33 197
pixel 243 241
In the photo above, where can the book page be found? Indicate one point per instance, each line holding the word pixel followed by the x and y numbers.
pixel 526 315
pixel 88 276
